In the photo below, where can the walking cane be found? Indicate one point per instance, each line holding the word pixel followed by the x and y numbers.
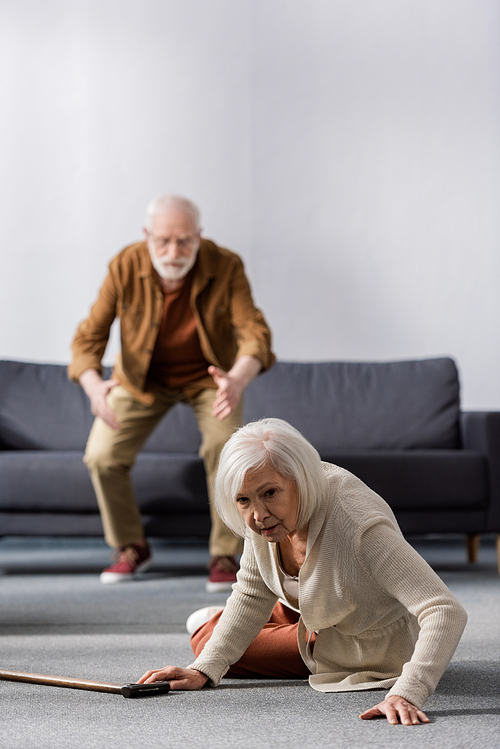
pixel 127 690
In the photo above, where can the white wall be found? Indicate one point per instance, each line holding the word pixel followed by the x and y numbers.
pixel 348 149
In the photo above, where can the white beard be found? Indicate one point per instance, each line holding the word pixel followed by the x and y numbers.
pixel 170 272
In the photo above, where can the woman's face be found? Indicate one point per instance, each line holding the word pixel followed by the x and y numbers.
pixel 268 504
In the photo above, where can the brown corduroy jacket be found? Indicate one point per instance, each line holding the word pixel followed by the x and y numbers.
pixel 228 323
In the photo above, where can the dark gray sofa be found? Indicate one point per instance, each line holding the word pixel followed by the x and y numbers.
pixel 396 425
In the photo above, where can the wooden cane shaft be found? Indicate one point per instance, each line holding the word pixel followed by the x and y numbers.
pixel 60 681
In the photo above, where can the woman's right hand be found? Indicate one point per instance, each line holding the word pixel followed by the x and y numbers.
pixel 179 678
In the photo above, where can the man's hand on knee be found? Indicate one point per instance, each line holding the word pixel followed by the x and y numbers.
pixel 97 391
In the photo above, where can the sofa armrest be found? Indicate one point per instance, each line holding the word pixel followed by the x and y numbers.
pixel 481 433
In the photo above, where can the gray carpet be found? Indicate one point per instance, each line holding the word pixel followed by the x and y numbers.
pixel 56 618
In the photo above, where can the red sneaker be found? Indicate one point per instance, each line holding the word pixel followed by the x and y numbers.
pixel 222 574
pixel 130 562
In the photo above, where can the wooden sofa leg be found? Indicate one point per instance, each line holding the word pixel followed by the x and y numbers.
pixel 473 541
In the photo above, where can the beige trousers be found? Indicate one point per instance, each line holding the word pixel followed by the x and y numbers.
pixel 110 455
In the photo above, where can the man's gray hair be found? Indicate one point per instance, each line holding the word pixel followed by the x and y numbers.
pixel 162 203
pixel 276 444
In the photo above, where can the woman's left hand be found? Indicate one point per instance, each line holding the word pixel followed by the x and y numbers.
pixel 396 710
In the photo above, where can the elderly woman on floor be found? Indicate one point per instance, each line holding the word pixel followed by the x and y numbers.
pixel 328 587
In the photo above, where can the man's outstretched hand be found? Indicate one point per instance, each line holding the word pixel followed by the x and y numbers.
pixel 231 385
pixel 229 392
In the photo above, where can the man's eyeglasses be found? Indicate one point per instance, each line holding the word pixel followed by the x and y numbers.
pixel 183 243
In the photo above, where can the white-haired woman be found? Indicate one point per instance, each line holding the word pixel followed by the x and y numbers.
pixel 328 587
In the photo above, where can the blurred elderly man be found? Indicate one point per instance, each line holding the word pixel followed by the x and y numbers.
pixel 190 333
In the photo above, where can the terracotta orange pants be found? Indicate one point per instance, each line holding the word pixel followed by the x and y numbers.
pixel 274 652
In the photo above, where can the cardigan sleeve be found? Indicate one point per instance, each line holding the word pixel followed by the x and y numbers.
pixel 248 609
pixel 398 570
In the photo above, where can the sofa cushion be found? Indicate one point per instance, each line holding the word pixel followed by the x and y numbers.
pixel 423 480
pixel 57 481
pixel 191 525
pixel 360 405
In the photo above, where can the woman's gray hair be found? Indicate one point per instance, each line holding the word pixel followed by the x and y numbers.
pixel 162 203
pixel 278 445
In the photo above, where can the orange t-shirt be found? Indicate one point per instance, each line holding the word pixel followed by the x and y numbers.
pixel 177 357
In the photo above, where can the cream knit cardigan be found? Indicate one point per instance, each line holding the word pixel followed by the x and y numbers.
pixel 383 618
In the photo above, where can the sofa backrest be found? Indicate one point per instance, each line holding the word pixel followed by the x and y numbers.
pixel 363 405
pixel 40 409
pixel 336 405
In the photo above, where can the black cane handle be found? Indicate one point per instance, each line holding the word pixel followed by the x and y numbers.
pixel 143 690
